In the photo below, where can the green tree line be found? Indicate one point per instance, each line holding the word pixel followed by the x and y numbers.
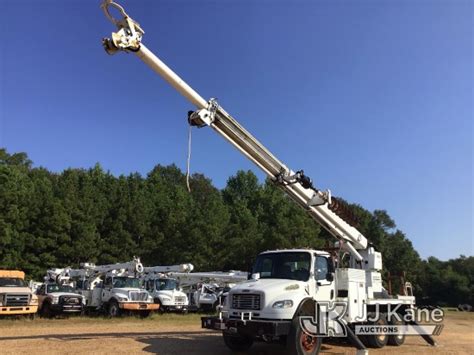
pixel 52 219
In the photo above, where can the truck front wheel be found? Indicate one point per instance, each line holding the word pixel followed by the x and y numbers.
pixel 46 311
pixel 237 342
pixel 114 309
pixel 298 342
pixel 145 314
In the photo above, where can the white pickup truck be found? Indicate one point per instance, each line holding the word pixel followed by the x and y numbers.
pixel 55 299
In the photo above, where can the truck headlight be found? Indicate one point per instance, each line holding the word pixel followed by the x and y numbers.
pixel 33 301
pixel 150 299
pixel 122 299
pixel 54 300
pixel 283 304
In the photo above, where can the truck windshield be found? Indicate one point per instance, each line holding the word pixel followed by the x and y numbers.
pixel 166 284
pixel 59 288
pixel 286 265
pixel 12 282
pixel 126 282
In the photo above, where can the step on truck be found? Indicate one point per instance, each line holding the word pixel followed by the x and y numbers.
pixel 295 297
pixel 16 298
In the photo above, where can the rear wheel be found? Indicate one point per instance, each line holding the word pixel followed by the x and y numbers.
pixel 398 339
pixel 378 340
pixel 237 342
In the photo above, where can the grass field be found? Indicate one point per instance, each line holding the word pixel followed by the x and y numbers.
pixel 181 334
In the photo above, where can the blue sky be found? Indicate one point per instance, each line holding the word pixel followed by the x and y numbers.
pixel 373 99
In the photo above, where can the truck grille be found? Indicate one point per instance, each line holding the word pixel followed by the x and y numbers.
pixel 180 299
pixel 138 296
pixel 70 300
pixel 12 300
pixel 246 301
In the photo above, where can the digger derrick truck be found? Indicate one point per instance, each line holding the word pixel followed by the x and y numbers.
pixel 288 287
pixel 164 288
pixel 113 289
pixel 57 294
pixel 16 298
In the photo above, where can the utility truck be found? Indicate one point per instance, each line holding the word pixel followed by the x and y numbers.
pixel 57 294
pixel 297 296
pixel 113 289
pixel 165 289
pixel 16 298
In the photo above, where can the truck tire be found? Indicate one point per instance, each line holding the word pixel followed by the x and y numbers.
pixel 114 309
pixel 378 340
pixel 297 341
pixel 396 340
pixel 46 311
pixel 145 314
pixel 237 342
pixel 161 309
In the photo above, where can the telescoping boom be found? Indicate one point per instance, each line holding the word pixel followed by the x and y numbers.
pixel 326 210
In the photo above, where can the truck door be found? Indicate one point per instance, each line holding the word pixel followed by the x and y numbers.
pixel 107 288
pixel 150 287
pixel 41 293
pixel 324 278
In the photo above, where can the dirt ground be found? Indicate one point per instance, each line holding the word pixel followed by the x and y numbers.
pixel 181 334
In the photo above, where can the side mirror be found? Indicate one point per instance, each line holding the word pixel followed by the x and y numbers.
pixel 255 276
pixel 330 276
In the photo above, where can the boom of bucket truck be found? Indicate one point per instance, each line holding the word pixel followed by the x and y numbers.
pixel 113 288
pixel 287 286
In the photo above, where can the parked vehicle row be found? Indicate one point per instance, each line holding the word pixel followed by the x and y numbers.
pixel 114 290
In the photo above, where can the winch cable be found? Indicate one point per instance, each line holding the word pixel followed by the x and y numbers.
pixel 188 163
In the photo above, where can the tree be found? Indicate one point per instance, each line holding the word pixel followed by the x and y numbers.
pixel 59 219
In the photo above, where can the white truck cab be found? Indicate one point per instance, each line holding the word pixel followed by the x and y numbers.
pixel 281 280
pixel 167 293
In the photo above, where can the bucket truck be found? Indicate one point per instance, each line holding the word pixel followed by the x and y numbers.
pixel 289 289
pixel 113 288
pixel 164 288
pixel 57 294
